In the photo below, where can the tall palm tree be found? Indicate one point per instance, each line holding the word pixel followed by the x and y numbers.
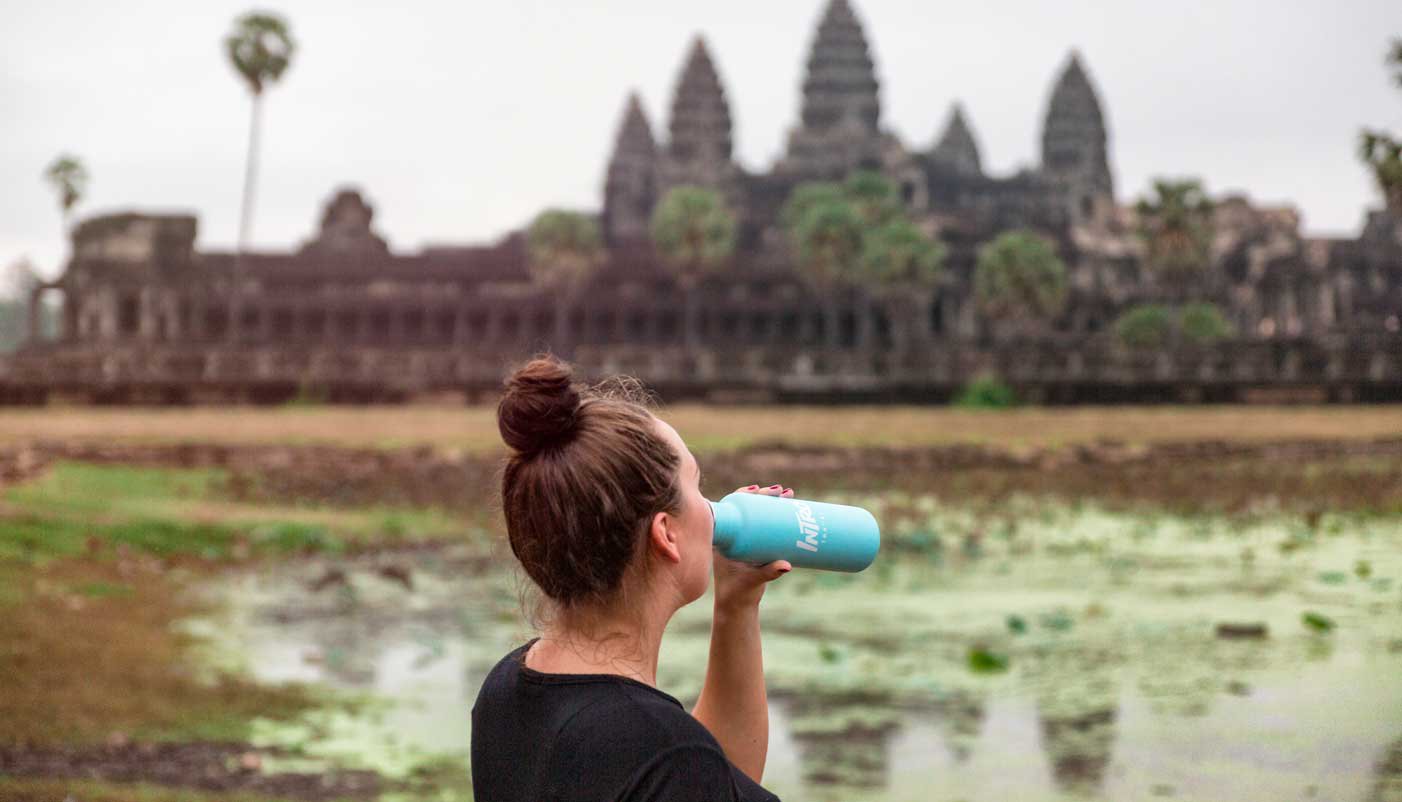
pixel 260 48
pixel 1383 155
pixel 902 265
pixel 1380 151
pixel 804 197
pixel 1176 225
pixel 694 232
pixel 69 178
pixel 827 239
pixel 1020 281
pixel 564 248
pixel 876 199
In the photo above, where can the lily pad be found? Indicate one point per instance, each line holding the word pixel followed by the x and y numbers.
pixel 984 661
pixel 1317 621
pixel 1057 621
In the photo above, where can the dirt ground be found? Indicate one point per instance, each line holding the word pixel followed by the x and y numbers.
pixel 708 428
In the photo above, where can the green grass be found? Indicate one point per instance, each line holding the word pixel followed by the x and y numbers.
pixel 77 507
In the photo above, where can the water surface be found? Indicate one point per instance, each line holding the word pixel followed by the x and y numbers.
pixel 1117 685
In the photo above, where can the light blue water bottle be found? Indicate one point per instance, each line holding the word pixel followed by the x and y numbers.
pixel 757 529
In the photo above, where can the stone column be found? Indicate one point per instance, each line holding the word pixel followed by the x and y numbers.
pixel 394 334
pixel 69 330
pixel 459 336
pixel 866 325
pixel 231 308
pixel 362 323
pixel 146 314
pixel 198 330
pixel 265 323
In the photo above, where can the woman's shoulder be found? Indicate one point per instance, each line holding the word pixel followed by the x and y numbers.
pixel 629 709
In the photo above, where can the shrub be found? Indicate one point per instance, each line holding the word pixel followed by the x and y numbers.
pixel 1147 326
pixel 1204 324
pixel 986 392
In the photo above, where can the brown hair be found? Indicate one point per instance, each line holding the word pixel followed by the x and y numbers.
pixel 588 472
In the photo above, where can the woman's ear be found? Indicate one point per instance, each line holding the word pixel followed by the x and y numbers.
pixel 663 536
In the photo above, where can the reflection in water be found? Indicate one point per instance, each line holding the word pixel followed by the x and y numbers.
pixel 843 741
pixel 1387 786
pixel 959 720
pixel 1129 697
pixel 1078 747
pixel 1077 709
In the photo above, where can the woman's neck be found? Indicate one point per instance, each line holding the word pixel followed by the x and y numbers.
pixel 628 647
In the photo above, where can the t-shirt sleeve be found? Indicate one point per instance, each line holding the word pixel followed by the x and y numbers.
pixel 694 773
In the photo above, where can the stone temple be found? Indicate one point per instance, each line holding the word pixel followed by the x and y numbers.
pixel 147 317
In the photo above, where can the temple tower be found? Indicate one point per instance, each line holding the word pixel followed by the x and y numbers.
pixel 957 149
pixel 1074 149
pixel 346 222
pixel 839 128
pixel 630 189
pixel 699 139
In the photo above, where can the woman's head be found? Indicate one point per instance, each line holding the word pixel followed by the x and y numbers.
pixel 602 499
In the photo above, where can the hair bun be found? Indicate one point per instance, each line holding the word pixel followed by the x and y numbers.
pixel 539 405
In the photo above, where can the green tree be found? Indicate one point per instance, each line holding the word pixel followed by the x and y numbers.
pixel 1176 226
pixel 1379 150
pixel 828 239
pixel 875 198
pixel 1204 324
pixel 694 232
pixel 806 196
pixel 260 49
pixel 1383 155
pixel 69 178
pixel 563 248
pixel 902 265
pixel 1020 281
pixel 1147 327
pixel 855 234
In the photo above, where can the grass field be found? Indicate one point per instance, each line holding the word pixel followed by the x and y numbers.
pixel 708 428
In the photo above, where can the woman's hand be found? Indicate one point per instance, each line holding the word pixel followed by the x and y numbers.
pixel 740 585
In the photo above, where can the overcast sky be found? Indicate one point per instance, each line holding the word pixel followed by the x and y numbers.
pixel 461 119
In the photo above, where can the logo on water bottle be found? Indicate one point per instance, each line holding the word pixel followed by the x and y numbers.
pixel 808 527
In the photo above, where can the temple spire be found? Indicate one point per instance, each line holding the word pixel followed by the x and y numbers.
pixel 630 189
pixel 841 79
pixel 634 133
pixel 1074 140
pixel 957 147
pixel 839 125
pixel 700 124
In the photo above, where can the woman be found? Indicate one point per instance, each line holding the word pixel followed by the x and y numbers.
pixel 604 511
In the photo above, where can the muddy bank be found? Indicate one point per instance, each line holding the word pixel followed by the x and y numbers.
pixel 211 766
pixel 1212 475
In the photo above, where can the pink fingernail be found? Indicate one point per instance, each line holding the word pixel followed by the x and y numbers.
pixel 752 487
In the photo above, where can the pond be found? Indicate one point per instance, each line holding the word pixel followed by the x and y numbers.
pixel 1033 651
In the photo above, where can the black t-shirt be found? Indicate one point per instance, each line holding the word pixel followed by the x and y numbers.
pixel 540 737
